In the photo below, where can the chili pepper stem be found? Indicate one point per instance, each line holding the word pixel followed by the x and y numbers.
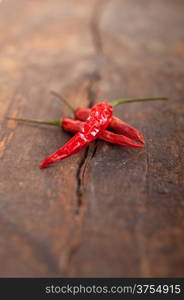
pixel 112 103
pixel 129 100
pixel 63 99
pixel 49 122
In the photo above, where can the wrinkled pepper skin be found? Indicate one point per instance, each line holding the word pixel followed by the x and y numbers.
pixel 108 136
pixel 115 124
pixel 98 120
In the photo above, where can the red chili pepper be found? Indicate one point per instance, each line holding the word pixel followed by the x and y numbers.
pixel 115 123
pixel 98 120
pixel 108 136
pixel 76 125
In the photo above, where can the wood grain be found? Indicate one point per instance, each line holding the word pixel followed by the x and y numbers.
pixel 108 211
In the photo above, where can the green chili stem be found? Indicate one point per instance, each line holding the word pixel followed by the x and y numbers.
pixel 49 122
pixel 63 99
pixel 58 122
pixel 129 100
pixel 112 103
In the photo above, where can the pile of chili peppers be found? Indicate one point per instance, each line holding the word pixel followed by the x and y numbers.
pixel 91 124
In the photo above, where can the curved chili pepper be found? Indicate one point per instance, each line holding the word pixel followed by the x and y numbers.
pixel 108 136
pixel 115 123
pixel 76 125
pixel 126 129
pixel 99 118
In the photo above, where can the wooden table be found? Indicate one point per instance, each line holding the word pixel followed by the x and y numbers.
pixel 109 211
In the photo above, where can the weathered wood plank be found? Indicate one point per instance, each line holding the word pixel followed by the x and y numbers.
pixel 108 211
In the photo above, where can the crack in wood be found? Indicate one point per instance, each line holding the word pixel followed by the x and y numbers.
pixel 89 153
pixel 80 176
pixel 94 78
pixel 92 88
pixel 94 25
pixel 95 148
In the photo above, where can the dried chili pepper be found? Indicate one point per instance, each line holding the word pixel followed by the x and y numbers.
pixel 98 120
pixel 108 136
pixel 115 123
pixel 76 125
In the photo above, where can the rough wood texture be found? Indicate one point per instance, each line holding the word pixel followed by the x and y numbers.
pixel 108 211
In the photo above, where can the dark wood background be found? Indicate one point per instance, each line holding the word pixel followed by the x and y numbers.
pixel 108 211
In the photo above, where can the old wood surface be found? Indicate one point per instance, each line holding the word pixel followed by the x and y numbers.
pixel 108 211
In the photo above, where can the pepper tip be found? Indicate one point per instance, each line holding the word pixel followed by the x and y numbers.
pixel 141 139
pixel 42 165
